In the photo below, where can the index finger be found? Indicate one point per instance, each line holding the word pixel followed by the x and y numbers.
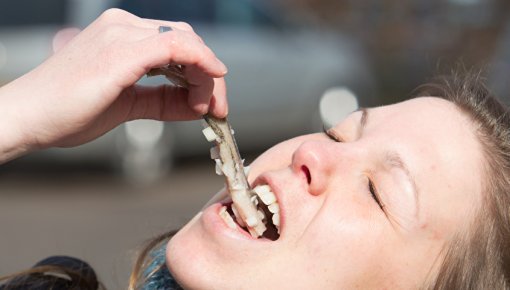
pixel 178 47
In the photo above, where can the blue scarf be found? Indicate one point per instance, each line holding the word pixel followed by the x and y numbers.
pixel 162 279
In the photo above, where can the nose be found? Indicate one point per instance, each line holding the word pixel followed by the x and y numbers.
pixel 315 162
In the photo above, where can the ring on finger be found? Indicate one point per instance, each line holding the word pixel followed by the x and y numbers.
pixel 163 29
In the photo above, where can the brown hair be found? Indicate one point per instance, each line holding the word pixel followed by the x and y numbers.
pixel 479 255
pixel 137 279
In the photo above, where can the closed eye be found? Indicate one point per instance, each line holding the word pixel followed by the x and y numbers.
pixel 332 135
pixel 373 192
pixel 371 187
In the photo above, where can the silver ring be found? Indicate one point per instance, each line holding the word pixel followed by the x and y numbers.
pixel 164 29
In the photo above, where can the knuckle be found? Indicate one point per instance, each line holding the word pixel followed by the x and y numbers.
pixel 170 42
pixel 114 14
pixel 202 59
pixel 194 37
pixel 184 26
pixel 200 39
pixel 172 39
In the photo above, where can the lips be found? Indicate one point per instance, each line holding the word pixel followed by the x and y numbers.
pixel 269 209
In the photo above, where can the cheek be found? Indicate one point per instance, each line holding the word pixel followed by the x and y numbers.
pixel 278 156
pixel 346 239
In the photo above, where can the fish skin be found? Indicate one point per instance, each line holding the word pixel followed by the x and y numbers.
pixel 235 178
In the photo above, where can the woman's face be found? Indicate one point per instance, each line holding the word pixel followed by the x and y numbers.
pixel 421 160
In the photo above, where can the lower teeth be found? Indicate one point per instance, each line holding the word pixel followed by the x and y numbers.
pixel 227 218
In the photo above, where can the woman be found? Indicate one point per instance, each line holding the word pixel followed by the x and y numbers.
pixel 413 195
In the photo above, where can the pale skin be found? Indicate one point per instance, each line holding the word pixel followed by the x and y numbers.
pixel 87 87
pixel 335 235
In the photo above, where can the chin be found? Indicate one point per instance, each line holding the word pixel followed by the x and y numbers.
pixel 191 261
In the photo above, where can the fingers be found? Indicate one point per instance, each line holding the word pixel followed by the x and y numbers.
pixel 165 103
pixel 119 16
pixel 170 103
pixel 149 48
pixel 179 47
pixel 218 106
pixel 206 94
pixel 209 96
pixel 200 89
pixel 134 46
pixel 63 36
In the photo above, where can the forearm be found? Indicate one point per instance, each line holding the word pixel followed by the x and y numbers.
pixel 13 139
pixel 89 85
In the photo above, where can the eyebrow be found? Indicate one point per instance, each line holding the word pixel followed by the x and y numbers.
pixel 393 159
pixel 363 120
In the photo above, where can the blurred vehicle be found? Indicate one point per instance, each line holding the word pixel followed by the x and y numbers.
pixel 277 74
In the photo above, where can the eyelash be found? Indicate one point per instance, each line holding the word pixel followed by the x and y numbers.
pixel 371 187
pixel 373 192
pixel 331 135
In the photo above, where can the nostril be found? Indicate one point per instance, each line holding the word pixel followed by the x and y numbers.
pixel 306 171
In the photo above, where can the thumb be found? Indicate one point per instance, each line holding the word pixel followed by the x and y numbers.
pixel 63 36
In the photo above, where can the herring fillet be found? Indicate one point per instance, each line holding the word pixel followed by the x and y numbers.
pixel 174 73
pixel 232 165
pixel 237 183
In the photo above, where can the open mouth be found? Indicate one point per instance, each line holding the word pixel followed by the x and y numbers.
pixel 268 209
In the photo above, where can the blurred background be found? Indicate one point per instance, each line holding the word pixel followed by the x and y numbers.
pixel 293 66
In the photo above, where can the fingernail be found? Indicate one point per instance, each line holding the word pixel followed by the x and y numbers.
pixel 224 69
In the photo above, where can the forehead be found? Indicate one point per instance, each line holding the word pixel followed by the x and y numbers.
pixel 439 145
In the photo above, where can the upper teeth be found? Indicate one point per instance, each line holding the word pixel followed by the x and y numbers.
pixel 276 221
pixel 274 208
pixel 269 198
pixel 265 194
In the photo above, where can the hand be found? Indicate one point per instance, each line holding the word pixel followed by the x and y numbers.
pixel 88 86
